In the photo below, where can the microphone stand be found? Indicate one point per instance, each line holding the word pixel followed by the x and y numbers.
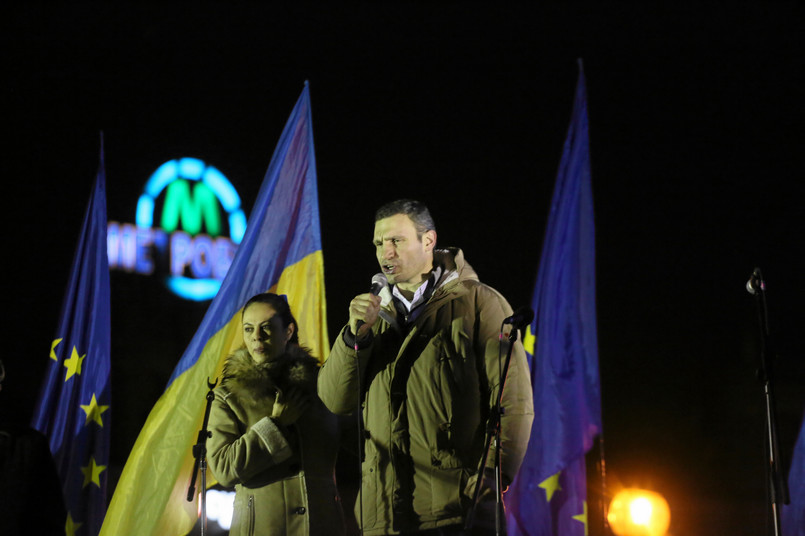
pixel 493 433
pixel 200 453
pixel 778 488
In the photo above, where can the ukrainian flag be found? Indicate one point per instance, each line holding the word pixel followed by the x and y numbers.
pixel 280 252
pixel 73 406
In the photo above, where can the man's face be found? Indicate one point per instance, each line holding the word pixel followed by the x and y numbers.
pixel 405 259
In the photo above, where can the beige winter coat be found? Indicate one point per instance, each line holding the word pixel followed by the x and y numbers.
pixel 427 393
pixel 284 478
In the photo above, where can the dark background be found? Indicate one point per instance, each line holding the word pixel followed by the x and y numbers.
pixel 695 133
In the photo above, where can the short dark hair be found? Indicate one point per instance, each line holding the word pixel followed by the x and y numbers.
pixel 280 305
pixel 416 211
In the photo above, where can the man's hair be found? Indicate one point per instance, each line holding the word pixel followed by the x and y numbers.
pixel 280 306
pixel 416 211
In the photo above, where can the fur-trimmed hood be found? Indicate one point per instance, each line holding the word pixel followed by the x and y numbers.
pixel 295 368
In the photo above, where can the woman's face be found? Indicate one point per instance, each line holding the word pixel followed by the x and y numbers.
pixel 263 333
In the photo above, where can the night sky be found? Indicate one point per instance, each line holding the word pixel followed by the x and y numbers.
pixel 695 113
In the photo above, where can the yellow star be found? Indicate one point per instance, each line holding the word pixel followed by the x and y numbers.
pixel 71 526
pixel 551 485
pixel 92 473
pixel 529 340
pixel 583 518
pixel 53 346
pixel 73 365
pixel 94 411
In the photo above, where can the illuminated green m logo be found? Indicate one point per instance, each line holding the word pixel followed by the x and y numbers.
pixel 191 208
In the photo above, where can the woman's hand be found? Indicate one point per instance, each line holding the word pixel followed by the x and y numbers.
pixel 289 406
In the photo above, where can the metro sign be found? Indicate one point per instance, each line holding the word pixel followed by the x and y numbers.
pixel 195 203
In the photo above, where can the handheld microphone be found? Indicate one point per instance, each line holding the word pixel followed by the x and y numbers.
pixel 378 282
pixel 521 318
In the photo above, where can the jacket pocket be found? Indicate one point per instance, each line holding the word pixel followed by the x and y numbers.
pixel 459 393
pixel 369 500
pixel 448 478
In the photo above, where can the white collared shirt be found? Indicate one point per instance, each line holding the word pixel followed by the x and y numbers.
pixel 417 298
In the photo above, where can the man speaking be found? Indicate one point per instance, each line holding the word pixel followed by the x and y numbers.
pixel 421 355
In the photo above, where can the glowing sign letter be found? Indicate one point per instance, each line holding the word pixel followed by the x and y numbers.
pixel 121 246
pixel 181 252
pixel 190 208
pixel 201 266
pixel 145 239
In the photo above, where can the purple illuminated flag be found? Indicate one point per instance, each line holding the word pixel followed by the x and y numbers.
pixel 549 495
pixel 73 407
pixel 793 514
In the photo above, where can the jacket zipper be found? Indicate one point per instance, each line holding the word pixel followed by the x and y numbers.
pixel 251 515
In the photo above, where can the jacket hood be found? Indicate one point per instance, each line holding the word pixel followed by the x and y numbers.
pixel 452 260
pixel 295 368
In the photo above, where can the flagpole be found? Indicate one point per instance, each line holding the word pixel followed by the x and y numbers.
pixel 602 497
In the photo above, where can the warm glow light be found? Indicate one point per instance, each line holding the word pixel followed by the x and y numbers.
pixel 220 505
pixel 637 512
pixel 640 510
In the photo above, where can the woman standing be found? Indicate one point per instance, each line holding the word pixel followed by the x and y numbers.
pixel 272 438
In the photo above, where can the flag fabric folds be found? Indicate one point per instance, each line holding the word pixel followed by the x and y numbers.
pixel 280 252
pixel 793 514
pixel 549 495
pixel 73 409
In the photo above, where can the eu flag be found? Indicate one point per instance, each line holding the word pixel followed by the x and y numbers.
pixel 74 401
pixel 280 252
pixel 793 514
pixel 549 494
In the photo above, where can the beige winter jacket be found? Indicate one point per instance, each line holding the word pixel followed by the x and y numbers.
pixel 284 478
pixel 427 391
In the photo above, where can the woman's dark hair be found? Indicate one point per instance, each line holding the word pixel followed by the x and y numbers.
pixel 280 305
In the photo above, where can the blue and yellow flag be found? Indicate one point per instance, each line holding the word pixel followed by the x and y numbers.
pixel 793 514
pixel 281 252
pixel 549 495
pixel 73 407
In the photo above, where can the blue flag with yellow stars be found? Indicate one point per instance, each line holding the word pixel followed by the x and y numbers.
pixel 73 406
pixel 793 514
pixel 549 495
pixel 281 253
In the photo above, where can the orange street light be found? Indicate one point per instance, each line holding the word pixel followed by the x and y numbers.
pixel 639 512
